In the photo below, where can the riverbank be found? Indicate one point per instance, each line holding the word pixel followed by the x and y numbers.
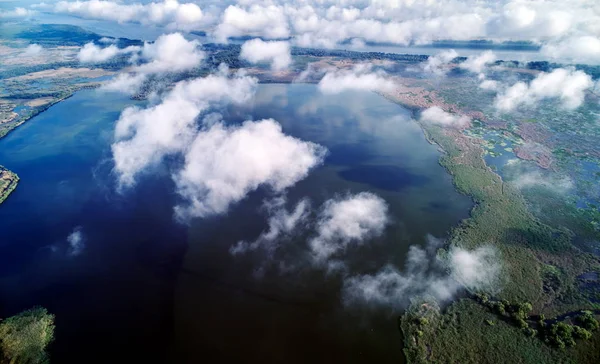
pixel 540 265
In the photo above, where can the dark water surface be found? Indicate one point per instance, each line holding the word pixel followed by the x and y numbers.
pixel 146 289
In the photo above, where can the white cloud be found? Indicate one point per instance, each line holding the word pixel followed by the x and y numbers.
pixel 360 77
pixel 536 179
pixel 425 274
pixel 128 83
pixel 169 13
pixel 567 85
pixel 489 85
pixel 170 53
pixel 436 115
pixel 348 220
pixel 277 53
pixel 477 63
pixel 144 136
pixel 437 64
pixel 328 23
pixel 475 269
pixel 91 53
pixel 18 12
pixel 282 224
pixel 578 49
pixel 33 50
pixel 259 21
pixel 76 242
pixel 225 163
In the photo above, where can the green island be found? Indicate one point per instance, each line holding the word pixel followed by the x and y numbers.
pixel 540 270
pixel 8 183
pixel 25 337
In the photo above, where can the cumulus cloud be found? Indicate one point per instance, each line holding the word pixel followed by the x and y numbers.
pixel 33 50
pixel 477 63
pixel 489 85
pixel 565 84
pixel 76 242
pixel 277 53
pixel 529 19
pixel 170 53
pixel 529 179
pixel 259 21
pixel 169 13
pixel 144 136
pixel 127 83
pixel 225 163
pixel 426 274
pixel 282 223
pixel 346 221
pixel 360 77
pixel 577 49
pixel 18 12
pixel 436 115
pixel 91 53
pixel 318 23
pixel 438 63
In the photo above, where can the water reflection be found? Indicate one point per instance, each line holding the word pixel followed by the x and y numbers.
pixel 292 311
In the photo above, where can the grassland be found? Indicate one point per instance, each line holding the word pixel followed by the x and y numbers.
pixel 540 265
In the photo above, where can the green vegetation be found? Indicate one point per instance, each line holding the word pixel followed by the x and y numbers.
pixel 24 337
pixel 8 183
pixel 540 269
pixel 463 334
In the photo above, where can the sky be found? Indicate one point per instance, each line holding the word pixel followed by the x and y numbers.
pixel 567 30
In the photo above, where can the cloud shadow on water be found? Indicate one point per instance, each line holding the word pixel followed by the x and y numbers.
pixel 384 177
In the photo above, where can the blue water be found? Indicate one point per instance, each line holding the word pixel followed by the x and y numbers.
pixel 130 242
pixel 146 289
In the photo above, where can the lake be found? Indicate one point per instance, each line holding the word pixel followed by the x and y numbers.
pixel 145 288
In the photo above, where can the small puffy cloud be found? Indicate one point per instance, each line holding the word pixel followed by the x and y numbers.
pixel 91 53
pixel 529 179
pixel 360 77
pixel 348 220
pixel 565 84
pixel 489 85
pixel 437 64
pixel 435 115
pixel 144 136
pixel 259 21
pixel 169 13
pixel 225 163
pixel 477 63
pixel 282 224
pixel 127 83
pixel 425 274
pixel 580 49
pixel 33 50
pixel 277 53
pixel 76 242
pixel 170 53
pixel 475 269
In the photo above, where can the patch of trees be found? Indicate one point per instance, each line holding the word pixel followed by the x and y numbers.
pixel 556 333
